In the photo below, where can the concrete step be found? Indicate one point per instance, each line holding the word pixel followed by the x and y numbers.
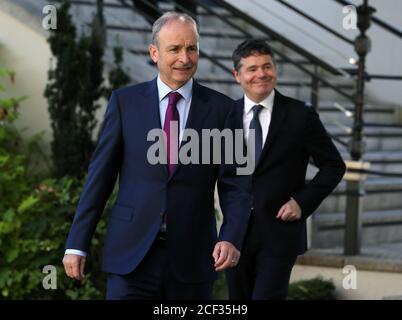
pixel 379 270
pixel 381 194
pixel 283 82
pixel 390 162
pixel 398 297
pixel 331 111
pixel 385 139
pixel 387 161
pixel 378 227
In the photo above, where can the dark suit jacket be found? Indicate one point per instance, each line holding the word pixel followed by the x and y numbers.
pixel 295 134
pixel 146 191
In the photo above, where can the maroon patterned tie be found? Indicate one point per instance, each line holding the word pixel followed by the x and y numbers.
pixel 171 128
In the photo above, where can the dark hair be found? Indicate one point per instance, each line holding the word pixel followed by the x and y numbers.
pixel 248 48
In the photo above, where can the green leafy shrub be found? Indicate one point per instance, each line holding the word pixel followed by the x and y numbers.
pixel 75 89
pixel 35 217
pixel 220 290
pixel 32 235
pixel 312 289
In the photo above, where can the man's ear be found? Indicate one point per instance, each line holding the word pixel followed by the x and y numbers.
pixel 153 53
pixel 236 75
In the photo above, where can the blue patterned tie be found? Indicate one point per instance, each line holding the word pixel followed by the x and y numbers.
pixel 256 125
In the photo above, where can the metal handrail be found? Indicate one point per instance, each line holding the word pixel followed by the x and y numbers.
pixel 372 135
pixel 215 61
pixel 339 140
pixel 273 34
pixel 315 21
pixel 228 70
pixel 369 76
pixel 91 3
pixel 382 125
pixel 132 7
pixel 377 173
pixel 280 38
pixel 367 192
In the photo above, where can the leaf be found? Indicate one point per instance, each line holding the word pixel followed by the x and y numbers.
pixel 9 215
pixel 4 159
pixel 4 292
pixel 12 254
pixel 2 133
pixel 27 203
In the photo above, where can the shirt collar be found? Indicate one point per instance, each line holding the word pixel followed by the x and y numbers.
pixel 164 89
pixel 268 102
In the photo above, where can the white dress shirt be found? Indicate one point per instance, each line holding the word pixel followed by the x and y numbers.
pixel 183 107
pixel 264 115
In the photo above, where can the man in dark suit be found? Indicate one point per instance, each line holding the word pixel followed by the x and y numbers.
pixel 161 241
pixel 287 133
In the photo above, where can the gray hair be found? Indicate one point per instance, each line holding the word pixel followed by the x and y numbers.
pixel 167 17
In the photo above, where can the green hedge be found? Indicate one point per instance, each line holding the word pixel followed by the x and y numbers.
pixel 35 216
pixel 312 289
pixel 33 232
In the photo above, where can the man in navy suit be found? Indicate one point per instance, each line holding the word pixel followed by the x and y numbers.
pixel 161 241
pixel 287 133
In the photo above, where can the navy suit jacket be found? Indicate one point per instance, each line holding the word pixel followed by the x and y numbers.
pixel 146 191
pixel 295 135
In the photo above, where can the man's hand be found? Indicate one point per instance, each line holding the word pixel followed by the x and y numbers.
pixel 290 211
pixel 225 255
pixel 74 266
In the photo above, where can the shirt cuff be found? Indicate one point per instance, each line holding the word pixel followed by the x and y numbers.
pixel 77 252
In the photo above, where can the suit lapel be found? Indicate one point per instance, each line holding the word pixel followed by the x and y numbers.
pixel 239 111
pixel 277 118
pixel 149 111
pixel 199 110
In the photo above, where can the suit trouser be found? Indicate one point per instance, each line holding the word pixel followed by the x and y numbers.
pixel 260 276
pixel 152 279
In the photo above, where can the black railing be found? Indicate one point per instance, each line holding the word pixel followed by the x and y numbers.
pixel 339 140
pixel 316 22
pixel 106 4
pixel 383 125
pixel 275 35
pixel 272 34
pixel 377 173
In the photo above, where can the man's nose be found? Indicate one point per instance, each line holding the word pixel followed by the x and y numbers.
pixel 261 73
pixel 184 57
